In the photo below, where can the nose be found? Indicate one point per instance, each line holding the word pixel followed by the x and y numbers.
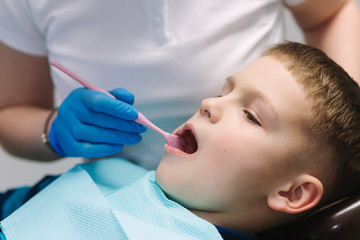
pixel 210 108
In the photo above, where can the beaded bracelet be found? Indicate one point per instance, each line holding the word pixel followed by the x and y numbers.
pixel 44 135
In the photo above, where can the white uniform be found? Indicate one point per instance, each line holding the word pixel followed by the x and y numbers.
pixel 169 53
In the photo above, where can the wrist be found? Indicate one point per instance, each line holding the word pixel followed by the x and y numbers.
pixel 47 137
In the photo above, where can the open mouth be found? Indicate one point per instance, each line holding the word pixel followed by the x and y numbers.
pixel 190 141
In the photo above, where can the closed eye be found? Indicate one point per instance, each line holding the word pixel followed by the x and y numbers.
pixel 251 117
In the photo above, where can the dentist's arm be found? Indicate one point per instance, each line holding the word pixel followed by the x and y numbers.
pixel 88 124
pixel 26 97
pixel 334 27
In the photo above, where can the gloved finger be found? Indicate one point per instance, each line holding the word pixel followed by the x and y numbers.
pixel 91 117
pixel 86 149
pixel 100 102
pixel 73 105
pixel 94 134
pixel 123 95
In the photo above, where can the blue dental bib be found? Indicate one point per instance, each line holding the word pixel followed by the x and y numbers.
pixel 89 203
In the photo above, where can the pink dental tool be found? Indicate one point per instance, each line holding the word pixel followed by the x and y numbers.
pixel 171 139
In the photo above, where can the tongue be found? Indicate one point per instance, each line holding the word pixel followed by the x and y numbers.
pixel 191 144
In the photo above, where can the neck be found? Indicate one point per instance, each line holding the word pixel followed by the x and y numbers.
pixel 249 220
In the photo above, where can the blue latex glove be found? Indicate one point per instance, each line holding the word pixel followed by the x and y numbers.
pixel 91 124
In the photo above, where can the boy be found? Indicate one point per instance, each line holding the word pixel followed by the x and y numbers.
pixel 281 140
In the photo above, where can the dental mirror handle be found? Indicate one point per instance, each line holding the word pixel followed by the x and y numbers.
pixel 141 118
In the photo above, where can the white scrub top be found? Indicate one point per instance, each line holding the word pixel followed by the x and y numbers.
pixel 169 53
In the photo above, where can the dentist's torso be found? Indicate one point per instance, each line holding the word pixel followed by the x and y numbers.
pixel 169 53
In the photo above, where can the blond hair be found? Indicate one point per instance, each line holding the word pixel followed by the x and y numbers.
pixel 335 112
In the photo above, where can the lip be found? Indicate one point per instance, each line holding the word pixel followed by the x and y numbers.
pixel 187 126
pixel 181 131
pixel 174 151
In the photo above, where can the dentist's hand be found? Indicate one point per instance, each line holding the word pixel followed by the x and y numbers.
pixel 91 124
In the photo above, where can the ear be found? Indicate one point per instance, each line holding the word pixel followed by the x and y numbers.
pixel 301 194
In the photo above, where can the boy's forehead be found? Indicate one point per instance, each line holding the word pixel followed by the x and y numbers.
pixel 260 70
pixel 271 79
pixel 263 64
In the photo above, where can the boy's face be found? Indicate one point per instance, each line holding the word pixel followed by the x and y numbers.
pixel 244 141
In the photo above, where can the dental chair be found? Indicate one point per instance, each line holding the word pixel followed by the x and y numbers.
pixel 337 221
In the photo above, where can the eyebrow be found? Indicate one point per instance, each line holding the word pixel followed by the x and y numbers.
pixel 258 95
